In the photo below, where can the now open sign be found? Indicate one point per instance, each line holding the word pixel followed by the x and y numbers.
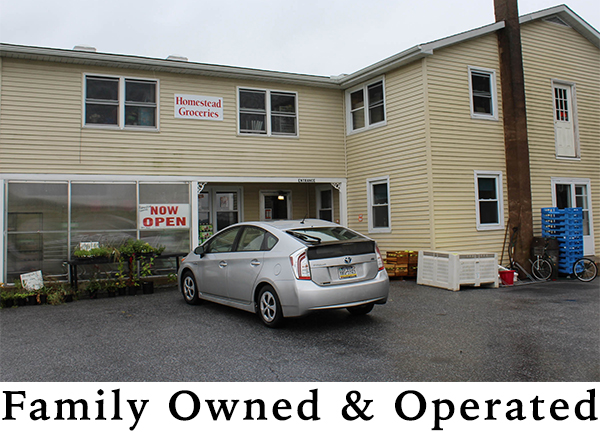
pixel 164 216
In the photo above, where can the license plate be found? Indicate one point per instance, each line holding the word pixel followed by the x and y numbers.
pixel 347 272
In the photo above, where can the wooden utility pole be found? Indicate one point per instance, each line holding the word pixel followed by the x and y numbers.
pixel 514 114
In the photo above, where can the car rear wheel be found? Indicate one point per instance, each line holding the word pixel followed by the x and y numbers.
pixel 269 308
pixel 190 289
pixel 363 309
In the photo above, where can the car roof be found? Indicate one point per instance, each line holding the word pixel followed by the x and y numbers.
pixel 292 224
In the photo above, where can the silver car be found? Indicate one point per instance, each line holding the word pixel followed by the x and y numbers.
pixel 286 268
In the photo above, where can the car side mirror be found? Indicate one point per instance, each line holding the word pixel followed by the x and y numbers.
pixel 199 250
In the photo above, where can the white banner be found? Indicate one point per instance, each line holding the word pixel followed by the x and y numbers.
pixel 164 216
pixel 198 107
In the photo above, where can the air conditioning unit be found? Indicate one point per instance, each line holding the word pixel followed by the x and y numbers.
pixel 448 270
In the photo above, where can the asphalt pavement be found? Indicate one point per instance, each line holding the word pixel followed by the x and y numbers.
pixel 538 332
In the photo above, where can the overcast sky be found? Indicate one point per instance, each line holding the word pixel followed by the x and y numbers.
pixel 324 37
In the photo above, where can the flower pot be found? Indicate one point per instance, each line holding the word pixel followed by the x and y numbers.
pixel 132 290
pixel 8 302
pixel 68 298
pixel 122 291
pixel 31 300
pixel 148 287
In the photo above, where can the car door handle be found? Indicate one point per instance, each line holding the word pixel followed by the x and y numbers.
pixel 222 264
pixel 255 263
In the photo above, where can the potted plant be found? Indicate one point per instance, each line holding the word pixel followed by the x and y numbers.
pixel 146 264
pixel 93 287
pixel 7 298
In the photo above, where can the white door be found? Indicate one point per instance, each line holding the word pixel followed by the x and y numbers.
pixel 576 193
pixel 564 129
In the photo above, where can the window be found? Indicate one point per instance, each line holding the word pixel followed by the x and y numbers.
pixel 325 203
pixel 270 113
pixel 482 87
pixel 366 106
pixel 223 242
pixel 378 196
pixel 565 120
pixel 488 197
pixel 120 102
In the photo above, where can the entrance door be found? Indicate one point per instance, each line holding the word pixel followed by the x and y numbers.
pixel 576 193
pixel 275 205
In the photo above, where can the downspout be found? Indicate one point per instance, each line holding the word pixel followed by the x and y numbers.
pixel 516 146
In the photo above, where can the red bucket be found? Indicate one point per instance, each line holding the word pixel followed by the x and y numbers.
pixel 507 277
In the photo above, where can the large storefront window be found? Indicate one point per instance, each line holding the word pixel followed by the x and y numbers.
pixel 36 228
pixel 103 212
pixel 46 221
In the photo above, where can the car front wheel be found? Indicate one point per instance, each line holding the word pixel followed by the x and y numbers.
pixel 269 308
pixel 190 289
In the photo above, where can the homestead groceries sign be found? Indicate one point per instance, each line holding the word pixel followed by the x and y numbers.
pixel 164 216
pixel 198 107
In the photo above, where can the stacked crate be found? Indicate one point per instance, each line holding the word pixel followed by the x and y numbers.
pixel 566 226
pixel 401 263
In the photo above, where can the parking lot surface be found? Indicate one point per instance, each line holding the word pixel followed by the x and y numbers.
pixel 539 332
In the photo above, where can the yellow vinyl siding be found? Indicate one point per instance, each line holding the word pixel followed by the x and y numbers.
pixel 396 150
pixel 42 118
pixel 461 145
pixel 554 52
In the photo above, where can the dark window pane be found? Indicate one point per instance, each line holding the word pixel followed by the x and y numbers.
pixel 376 114
pixel 101 114
pixel 140 116
pixel 102 88
pixel 357 99
pixel 482 105
pixel 137 91
pixel 375 93
pixel 481 83
pixel 283 103
pixel 380 193
pixel 488 212
pixel 380 216
pixel 251 239
pixel 252 100
pixel 253 123
pixel 164 193
pixel 283 125
pixel 326 214
pixel 487 188
pixel 326 199
pixel 358 119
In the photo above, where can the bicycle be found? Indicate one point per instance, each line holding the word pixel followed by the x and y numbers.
pixel 541 267
pixel 585 269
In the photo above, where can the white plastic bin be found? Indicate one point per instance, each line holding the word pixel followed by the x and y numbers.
pixel 448 270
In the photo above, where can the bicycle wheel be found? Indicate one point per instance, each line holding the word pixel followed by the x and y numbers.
pixel 541 269
pixel 585 270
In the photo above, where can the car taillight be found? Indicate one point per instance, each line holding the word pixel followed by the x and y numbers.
pixel 379 260
pixel 300 265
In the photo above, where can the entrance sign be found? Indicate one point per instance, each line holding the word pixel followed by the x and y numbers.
pixel 198 107
pixel 164 216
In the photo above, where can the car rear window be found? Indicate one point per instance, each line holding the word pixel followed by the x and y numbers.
pixel 324 234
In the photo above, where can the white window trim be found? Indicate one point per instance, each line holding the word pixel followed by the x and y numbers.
pixel 499 191
pixel 364 87
pixel 370 183
pixel 493 90
pixel 268 113
pixel 574 117
pixel 121 120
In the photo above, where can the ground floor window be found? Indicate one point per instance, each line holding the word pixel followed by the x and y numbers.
pixel 378 197
pixel 488 197
pixel 576 193
pixel 46 221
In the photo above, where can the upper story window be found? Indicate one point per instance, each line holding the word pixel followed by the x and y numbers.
pixel 265 112
pixel 366 106
pixel 121 102
pixel 482 90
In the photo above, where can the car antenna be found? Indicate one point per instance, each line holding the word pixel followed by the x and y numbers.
pixel 303 219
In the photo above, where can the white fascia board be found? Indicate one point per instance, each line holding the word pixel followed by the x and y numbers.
pixel 153 64
pixel 569 17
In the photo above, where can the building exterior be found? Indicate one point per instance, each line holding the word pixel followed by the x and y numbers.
pixel 98 147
